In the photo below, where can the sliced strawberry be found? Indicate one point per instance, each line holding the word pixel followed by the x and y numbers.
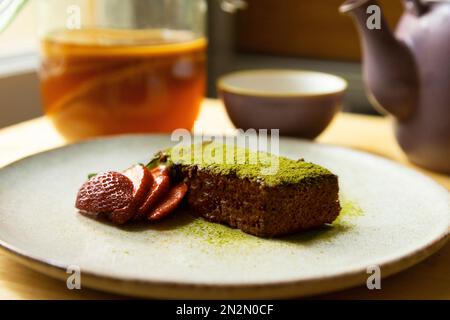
pixel 120 216
pixel 142 181
pixel 160 186
pixel 169 202
pixel 160 170
pixel 105 193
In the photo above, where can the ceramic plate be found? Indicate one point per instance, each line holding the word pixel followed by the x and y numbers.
pixel 392 217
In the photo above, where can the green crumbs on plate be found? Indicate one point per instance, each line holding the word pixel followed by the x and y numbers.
pixel 349 209
pixel 215 234
pixel 261 166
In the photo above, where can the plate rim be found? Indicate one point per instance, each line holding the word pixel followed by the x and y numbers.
pixel 188 290
pixel 269 289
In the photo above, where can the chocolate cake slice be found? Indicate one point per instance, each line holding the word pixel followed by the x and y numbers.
pixel 257 192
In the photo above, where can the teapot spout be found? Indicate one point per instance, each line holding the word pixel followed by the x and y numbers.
pixel 389 69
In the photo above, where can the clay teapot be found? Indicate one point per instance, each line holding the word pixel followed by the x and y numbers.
pixel 407 74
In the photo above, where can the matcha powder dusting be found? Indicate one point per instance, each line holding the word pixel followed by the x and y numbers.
pixel 215 234
pixel 260 166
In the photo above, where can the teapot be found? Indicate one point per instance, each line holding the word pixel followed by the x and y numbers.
pixel 407 74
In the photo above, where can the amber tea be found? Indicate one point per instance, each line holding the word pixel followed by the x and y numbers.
pixel 100 82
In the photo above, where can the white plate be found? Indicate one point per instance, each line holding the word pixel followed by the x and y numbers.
pixel 405 217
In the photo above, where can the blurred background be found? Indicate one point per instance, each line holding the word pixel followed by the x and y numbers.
pixel 298 34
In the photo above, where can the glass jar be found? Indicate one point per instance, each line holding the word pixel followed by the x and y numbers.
pixel 114 66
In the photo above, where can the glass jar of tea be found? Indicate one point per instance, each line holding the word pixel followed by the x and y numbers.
pixel 115 66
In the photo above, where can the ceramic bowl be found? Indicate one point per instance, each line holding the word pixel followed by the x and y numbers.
pixel 298 103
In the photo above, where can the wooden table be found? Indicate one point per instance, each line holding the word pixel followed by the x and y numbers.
pixel 429 279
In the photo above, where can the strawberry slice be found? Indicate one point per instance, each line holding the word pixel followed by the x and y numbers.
pixel 169 202
pixel 160 186
pixel 135 193
pixel 159 170
pixel 104 193
pixel 142 180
